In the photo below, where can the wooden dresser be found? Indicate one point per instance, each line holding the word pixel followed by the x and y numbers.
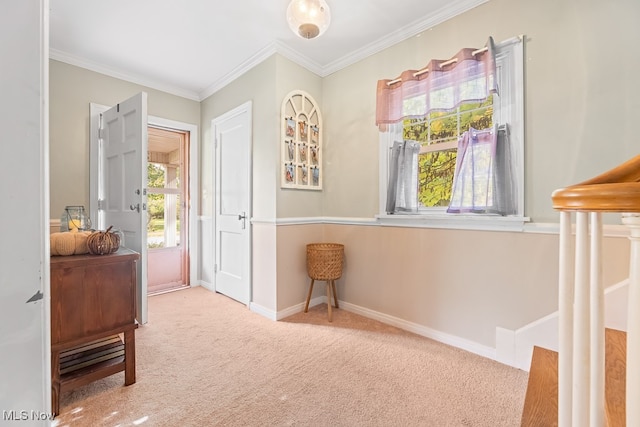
pixel 93 305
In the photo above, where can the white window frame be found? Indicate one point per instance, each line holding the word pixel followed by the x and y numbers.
pixel 509 110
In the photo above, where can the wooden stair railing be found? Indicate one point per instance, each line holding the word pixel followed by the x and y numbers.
pixel 581 363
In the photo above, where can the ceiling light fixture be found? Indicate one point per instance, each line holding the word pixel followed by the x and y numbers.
pixel 308 18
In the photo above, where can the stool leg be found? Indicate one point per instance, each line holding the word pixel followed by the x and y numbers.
pixel 335 293
pixel 306 306
pixel 329 298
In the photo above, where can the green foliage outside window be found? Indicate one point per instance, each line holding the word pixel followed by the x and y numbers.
pixel 436 166
pixel 156 174
pixel 155 202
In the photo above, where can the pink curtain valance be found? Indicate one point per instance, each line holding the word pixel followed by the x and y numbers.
pixel 470 76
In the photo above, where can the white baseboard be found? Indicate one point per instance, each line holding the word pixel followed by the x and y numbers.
pixel 298 308
pixel 279 315
pixel 421 330
pixel 207 285
pixel 263 311
pixel 424 331
pixel 505 346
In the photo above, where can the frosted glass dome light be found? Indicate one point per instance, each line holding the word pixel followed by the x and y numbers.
pixel 308 18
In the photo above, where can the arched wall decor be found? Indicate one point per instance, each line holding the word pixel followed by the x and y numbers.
pixel 301 142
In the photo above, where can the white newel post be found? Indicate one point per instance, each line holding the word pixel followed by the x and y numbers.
pixel 633 322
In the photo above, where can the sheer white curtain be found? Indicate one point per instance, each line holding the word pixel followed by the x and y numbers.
pixel 483 179
pixel 469 76
pixel 402 190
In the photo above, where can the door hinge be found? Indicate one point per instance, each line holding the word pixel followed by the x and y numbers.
pixel 215 268
pixel 100 204
pixel 100 136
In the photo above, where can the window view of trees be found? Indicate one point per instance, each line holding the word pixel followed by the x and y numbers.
pixel 438 134
pixel 156 205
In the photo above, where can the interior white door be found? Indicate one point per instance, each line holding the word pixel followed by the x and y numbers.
pixel 123 172
pixel 232 132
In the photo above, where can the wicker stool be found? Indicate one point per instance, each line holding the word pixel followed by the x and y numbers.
pixel 324 262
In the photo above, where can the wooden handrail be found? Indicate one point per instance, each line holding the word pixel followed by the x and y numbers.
pixel 581 386
pixel 617 190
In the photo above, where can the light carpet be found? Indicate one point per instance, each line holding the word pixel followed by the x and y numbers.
pixel 206 360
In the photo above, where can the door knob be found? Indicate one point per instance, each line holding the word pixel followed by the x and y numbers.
pixel 242 217
pixel 135 207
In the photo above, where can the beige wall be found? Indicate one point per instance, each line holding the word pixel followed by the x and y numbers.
pixel 71 91
pixel 290 76
pixel 581 96
pixel 581 100
pixel 293 282
pixel 461 283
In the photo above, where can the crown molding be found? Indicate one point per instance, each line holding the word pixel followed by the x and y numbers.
pixel 257 58
pixel 299 59
pixel 62 56
pixel 451 10
pixel 439 16
pixel 248 64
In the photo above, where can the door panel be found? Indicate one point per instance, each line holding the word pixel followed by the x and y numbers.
pixel 124 162
pixel 232 132
pixel 230 245
pixel 165 269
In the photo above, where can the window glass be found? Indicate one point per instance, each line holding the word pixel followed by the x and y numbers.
pixel 156 175
pixel 438 135
pixel 164 208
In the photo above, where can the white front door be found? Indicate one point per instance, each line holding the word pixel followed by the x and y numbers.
pixel 232 133
pixel 122 170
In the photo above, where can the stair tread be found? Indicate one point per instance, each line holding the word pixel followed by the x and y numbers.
pixel 616 377
pixel 541 399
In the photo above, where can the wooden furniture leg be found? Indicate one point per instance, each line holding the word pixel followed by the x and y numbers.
pixel 55 382
pixel 329 305
pixel 306 306
pixel 335 293
pixel 129 357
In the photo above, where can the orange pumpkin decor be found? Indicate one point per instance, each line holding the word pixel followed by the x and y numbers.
pixel 69 242
pixel 103 242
